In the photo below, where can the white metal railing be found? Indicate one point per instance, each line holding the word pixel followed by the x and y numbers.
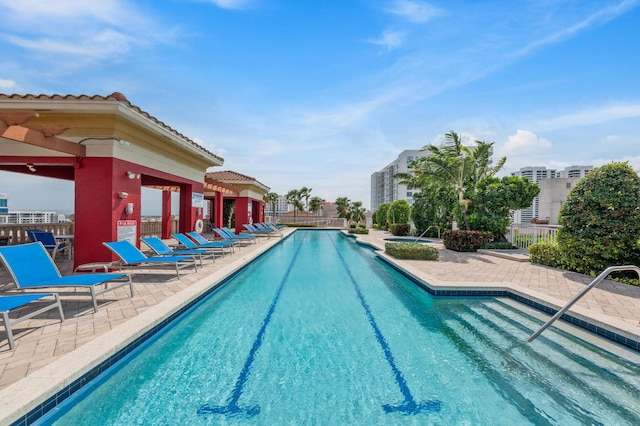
pixel 523 235
pixel 584 291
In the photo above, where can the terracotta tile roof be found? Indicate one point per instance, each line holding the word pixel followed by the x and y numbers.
pixel 227 176
pixel 115 96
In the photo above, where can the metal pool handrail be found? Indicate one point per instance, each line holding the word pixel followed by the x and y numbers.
pixel 577 297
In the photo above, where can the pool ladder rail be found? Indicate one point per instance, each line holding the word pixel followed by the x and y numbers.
pixel 577 297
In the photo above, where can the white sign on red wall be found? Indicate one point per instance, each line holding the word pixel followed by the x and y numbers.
pixel 127 230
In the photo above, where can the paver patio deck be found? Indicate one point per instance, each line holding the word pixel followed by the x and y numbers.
pixel 42 341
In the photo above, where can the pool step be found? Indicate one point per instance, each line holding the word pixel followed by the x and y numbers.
pixel 579 389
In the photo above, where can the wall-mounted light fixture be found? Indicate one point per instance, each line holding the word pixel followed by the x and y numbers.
pixel 31 167
pixel 123 194
pixel 132 175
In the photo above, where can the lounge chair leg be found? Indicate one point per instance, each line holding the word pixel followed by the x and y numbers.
pixel 7 326
pixel 95 301
pixel 57 296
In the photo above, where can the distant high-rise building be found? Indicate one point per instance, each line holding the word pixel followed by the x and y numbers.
pixel 552 194
pixel 282 206
pixel 385 188
pixel 575 171
pixel 4 209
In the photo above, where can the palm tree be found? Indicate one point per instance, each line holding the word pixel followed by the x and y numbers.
pixel 295 199
pixel 342 208
pixel 272 199
pixel 356 212
pixel 315 204
pixel 305 193
pixel 457 166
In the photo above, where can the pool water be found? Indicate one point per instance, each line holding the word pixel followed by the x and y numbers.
pixel 319 331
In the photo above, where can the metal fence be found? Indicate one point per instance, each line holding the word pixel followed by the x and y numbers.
pixel 12 234
pixel 523 235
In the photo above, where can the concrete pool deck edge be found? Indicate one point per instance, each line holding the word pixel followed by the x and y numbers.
pixel 20 398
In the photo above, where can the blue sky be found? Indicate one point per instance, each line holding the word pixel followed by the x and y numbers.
pixel 323 93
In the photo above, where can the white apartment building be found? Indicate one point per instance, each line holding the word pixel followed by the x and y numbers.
pixel 385 188
pixel 282 206
pixel 554 189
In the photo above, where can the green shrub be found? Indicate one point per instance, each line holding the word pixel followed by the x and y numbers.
pixel 400 229
pixel 301 225
pixel 465 240
pixel 498 245
pixel 601 220
pixel 358 230
pixel 548 254
pixel 411 251
pixel 381 215
pixel 399 212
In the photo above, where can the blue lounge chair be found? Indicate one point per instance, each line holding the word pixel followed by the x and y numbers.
pixel 10 302
pixel 30 234
pixel 255 231
pixel 131 257
pixel 161 249
pixel 31 267
pixel 188 243
pixel 239 239
pixel 49 242
pixel 199 239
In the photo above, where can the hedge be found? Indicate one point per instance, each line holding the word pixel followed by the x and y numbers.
pixel 465 240
pixel 411 251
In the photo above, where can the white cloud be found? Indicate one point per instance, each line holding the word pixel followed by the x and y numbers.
pixel 523 149
pixel 413 11
pixel 611 138
pixel 231 4
pixel 390 39
pixel 91 31
pixel 592 116
pixel 6 84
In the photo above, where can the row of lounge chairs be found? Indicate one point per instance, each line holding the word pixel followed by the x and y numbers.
pixel 31 267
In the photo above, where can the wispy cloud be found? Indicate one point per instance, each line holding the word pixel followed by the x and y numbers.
pixel 92 31
pixel 591 116
pixel 390 39
pixel 599 17
pixel 6 84
pixel 413 11
pixel 231 4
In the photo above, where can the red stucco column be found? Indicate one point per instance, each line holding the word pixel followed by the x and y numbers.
pixel 166 214
pixel 242 213
pixel 218 210
pixel 102 192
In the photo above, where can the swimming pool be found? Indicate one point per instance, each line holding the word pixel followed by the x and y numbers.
pixel 318 331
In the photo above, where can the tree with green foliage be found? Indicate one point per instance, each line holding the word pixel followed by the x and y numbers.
pixel 342 208
pixel 306 194
pixel 495 199
pixel 399 212
pixel 455 166
pixel 295 199
pixel 381 215
pixel 431 211
pixel 315 204
pixel 356 212
pixel 601 220
pixel 272 200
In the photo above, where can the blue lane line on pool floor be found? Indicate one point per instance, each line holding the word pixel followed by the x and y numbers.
pixel 409 406
pixel 232 408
